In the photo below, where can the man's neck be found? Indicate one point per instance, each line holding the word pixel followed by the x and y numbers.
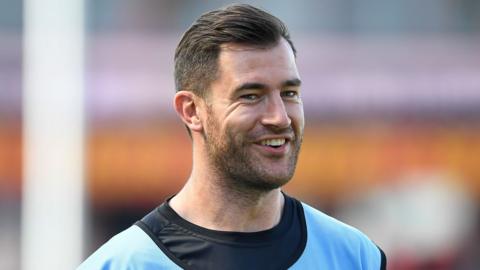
pixel 221 208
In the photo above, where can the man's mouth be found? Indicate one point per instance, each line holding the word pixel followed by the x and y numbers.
pixel 275 143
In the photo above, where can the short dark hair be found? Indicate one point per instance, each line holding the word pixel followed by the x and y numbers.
pixel 196 56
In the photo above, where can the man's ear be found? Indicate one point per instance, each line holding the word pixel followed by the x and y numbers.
pixel 187 107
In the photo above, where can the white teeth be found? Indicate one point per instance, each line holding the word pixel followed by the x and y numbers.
pixel 273 142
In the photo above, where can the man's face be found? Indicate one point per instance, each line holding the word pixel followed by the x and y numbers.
pixel 255 121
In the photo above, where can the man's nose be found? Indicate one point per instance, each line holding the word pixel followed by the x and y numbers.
pixel 275 113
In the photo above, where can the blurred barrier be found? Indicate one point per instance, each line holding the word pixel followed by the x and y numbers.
pixel 137 163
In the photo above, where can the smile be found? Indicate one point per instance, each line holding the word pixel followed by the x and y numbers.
pixel 275 143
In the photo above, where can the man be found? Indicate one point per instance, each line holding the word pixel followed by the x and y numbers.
pixel 238 93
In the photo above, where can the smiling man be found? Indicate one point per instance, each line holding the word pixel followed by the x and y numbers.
pixel 238 93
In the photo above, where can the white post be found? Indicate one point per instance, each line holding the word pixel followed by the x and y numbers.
pixel 53 128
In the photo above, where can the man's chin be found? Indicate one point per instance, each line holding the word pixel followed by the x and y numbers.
pixel 260 180
pixel 274 173
pixel 273 181
pixel 265 186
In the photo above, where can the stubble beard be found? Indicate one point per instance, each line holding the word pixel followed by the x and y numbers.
pixel 239 170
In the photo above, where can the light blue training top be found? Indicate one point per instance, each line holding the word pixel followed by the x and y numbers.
pixel 330 245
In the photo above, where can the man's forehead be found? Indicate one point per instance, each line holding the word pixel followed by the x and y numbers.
pixel 247 67
pixel 241 56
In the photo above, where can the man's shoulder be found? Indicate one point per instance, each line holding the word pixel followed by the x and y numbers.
pixel 130 249
pixel 328 235
pixel 324 224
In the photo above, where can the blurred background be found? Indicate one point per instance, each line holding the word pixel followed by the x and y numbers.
pixel 392 103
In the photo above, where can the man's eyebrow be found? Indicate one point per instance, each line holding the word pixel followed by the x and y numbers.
pixel 261 86
pixel 292 82
pixel 250 86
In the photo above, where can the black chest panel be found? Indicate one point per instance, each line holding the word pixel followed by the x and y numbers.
pixel 194 247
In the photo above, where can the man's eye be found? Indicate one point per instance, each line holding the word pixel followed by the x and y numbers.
pixel 290 94
pixel 249 97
